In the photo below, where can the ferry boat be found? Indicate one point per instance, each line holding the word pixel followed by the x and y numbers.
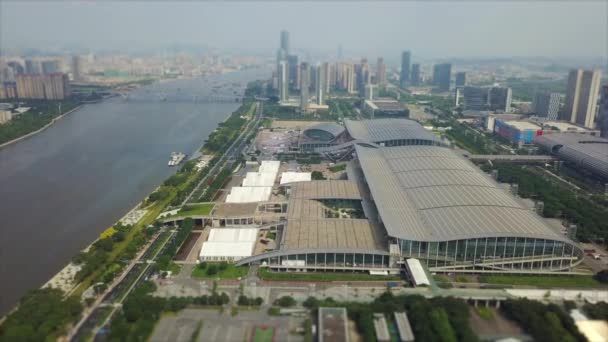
pixel 176 158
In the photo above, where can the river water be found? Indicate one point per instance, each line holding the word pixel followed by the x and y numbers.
pixel 61 188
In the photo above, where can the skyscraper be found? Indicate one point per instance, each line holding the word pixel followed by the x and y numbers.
pixel 405 69
pixel 327 79
pixel 460 79
pixel 546 105
pixel 441 76
pixel 350 78
pixel 304 85
pixel 499 99
pixel 581 97
pixel 363 76
pixel 320 83
pixel 76 74
pixel 293 71
pixel 285 41
pixel 340 53
pixel 283 82
pixel 602 119
pixel 381 72
pixel 415 76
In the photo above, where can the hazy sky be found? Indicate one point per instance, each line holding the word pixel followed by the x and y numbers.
pixel 431 28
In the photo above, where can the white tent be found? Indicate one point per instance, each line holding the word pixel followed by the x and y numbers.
pixel 229 244
pixel 290 177
pixel 249 194
pixel 259 179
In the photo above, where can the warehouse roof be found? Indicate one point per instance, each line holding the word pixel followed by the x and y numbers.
pixel 429 193
pixel 388 129
pixel 585 150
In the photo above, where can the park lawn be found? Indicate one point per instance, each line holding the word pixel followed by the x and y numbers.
pixel 485 313
pixel 265 274
pixel 196 210
pixel 231 272
pixel 337 168
pixel 174 268
pixel 263 335
pixel 569 281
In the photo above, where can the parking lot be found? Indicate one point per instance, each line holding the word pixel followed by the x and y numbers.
pixel 222 326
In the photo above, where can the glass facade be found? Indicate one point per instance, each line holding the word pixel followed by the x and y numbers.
pixel 496 253
pixel 329 260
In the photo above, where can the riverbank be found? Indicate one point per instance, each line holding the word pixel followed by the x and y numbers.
pixel 30 134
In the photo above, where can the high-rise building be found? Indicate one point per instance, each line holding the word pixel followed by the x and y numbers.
pixel 50 87
pixel 460 79
pixel 320 85
pixel 350 78
pixel 415 77
pixel 32 67
pixel 581 97
pixel 76 71
pixel 283 82
pixel 369 92
pixel 8 91
pixel 293 71
pixel 49 66
pixel 285 41
pixel 602 119
pixel 441 76
pixel 363 76
pixel 405 69
pixel 340 53
pixel 381 72
pixel 304 85
pixel 327 77
pixel 546 105
pixel 499 99
pixel 475 98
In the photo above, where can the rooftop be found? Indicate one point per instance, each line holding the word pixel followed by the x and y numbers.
pixel 429 193
pixel 388 129
pixel 308 228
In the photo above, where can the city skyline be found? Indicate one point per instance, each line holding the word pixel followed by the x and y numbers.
pixel 433 31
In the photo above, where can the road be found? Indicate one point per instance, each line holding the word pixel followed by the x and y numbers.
pixel 89 310
pixel 229 156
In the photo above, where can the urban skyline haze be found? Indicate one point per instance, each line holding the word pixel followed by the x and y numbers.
pixel 428 29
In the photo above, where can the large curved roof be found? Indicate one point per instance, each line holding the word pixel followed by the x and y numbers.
pixel 331 128
pixel 585 150
pixel 379 130
pixel 429 193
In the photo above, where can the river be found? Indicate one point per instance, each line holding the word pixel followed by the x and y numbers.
pixel 62 187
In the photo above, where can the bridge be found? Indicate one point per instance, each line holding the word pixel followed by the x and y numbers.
pixel 180 98
pixel 511 158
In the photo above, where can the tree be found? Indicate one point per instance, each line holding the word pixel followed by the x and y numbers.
pixel 212 269
pixel 602 276
pixel 317 175
pixel 223 266
pixel 286 301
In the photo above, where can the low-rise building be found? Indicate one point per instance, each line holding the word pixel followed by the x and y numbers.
pixel 333 325
pixel 5 116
